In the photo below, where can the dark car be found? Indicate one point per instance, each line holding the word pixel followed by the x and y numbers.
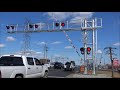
pixel 58 65
pixel 69 66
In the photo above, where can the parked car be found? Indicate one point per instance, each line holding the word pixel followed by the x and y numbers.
pixel 52 65
pixel 69 66
pixel 45 62
pixel 20 66
pixel 58 65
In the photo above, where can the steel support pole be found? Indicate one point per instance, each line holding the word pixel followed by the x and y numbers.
pixel 85 46
pixel 93 45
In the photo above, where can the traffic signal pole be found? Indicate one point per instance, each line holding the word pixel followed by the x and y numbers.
pixel 93 45
pixel 85 46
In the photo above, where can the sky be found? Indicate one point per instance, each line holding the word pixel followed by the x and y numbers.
pixel 57 43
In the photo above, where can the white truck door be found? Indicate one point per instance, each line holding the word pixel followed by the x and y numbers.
pixel 39 67
pixel 31 70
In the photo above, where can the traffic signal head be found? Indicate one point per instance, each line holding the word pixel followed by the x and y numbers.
pixel 12 27
pixel 88 50
pixel 36 26
pixel 31 26
pixel 56 24
pixel 82 50
pixel 8 27
pixel 62 24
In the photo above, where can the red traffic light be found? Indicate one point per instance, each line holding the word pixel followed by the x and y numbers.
pixel 62 24
pixel 36 26
pixel 56 24
pixel 88 49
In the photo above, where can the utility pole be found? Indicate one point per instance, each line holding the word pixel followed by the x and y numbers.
pixel 110 52
pixel 45 51
pixel 51 58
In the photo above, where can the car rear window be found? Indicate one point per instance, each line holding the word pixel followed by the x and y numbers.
pixel 11 61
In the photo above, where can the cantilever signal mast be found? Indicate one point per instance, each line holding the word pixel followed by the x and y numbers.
pixel 84 25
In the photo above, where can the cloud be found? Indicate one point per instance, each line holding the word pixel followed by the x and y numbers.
pixel 38 52
pixel 68 47
pixel 57 42
pixel 41 43
pixel 41 25
pixel 56 55
pixel 29 52
pixel 76 20
pixel 9 38
pixel 58 15
pixel 78 16
pixel 2 45
pixel 116 44
pixel 99 51
pixel 65 15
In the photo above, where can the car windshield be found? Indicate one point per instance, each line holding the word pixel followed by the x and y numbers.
pixel 11 61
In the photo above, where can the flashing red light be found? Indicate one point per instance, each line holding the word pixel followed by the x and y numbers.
pixel 62 24
pixel 88 49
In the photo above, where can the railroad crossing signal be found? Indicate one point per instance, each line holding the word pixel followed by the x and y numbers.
pixel 88 50
pixel 31 26
pixel 8 27
pixel 82 50
pixel 58 24
pixel 62 24
pixel 36 26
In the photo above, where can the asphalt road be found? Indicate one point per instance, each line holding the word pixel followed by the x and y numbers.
pixel 57 73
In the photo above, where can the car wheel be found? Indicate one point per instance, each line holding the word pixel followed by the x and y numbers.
pixel 45 75
pixel 18 77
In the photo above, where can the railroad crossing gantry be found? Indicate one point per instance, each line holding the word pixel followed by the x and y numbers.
pixel 84 25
